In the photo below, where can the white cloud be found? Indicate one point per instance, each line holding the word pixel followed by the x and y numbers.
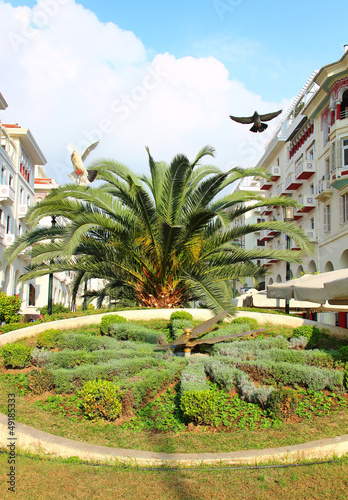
pixel 71 78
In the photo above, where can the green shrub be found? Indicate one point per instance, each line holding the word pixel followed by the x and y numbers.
pixel 148 382
pixel 283 404
pixel 16 355
pixel 70 380
pixel 101 399
pixel 48 339
pixel 40 381
pixel 56 309
pixel 78 341
pixel 201 407
pixel 9 307
pixel 343 353
pixel 253 324
pixel 108 320
pixel 130 331
pixel 311 332
pixel 13 326
pixel 181 315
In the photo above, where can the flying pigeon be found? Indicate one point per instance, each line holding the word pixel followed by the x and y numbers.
pixel 81 175
pixel 256 119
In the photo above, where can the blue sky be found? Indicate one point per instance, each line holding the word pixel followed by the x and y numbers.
pixel 270 46
pixel 77 65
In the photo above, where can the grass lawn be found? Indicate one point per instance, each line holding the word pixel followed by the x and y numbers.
pixel 41 479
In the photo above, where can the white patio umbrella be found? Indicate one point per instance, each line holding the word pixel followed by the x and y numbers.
pixel 319 288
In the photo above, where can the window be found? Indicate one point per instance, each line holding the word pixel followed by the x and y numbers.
pixel 312 223
pixel 28 200
pixel 327 219
pixel 10 180
pixel 345 153
pixel 21 196
pixel 19 229
pixel 310 153
pixel 311 188
pixel 8 224
pixel 259 220
pixel 344 208
pixel 31 295
pixel 1 214
pixel 3 175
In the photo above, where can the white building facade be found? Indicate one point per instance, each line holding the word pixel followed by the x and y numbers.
pixel 308 159
pixel 19 153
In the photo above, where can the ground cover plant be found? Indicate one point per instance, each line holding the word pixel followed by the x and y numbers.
pixel 247 385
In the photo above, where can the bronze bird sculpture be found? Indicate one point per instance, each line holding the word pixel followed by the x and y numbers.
pixel 257 120
pixel 81 175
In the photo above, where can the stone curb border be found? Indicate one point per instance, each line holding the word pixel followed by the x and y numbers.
pixel 32 440
pixel 28 439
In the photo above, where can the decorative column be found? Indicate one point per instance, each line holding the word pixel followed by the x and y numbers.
pixel 338 111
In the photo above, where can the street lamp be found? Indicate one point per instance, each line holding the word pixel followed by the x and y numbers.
pixel 50 278
pixel 288 216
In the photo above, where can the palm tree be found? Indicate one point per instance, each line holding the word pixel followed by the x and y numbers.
pixel 160 240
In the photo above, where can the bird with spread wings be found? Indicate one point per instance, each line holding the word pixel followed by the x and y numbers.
pixel 81 175
pixel 257 120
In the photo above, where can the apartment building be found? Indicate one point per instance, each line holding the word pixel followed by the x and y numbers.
pixel 23 182
pixel 19 153
pixel 251 240
pixel 307 158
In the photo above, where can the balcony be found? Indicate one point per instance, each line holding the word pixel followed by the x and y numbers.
pixel 266 184
pixel 308 203
pixel 339 177
pixel 305 170
pixel 281 190
pixel 22 211
pixel 323 190
pixel 312 235
pixel 9 239
pixel 266 211
pixel 291 184
pixel 7 194
pixel 268 234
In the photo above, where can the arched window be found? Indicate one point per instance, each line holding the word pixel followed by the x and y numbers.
pixel 31 295
pixel 344 105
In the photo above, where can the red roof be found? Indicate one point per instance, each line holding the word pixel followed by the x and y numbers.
pixel 43 181
pixel 8 125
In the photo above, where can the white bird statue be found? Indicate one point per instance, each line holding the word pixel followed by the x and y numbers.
pixel 81 175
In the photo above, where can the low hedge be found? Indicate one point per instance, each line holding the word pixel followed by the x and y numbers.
pixel 146 383
pixel 181 315
pixel 48 339
pixel 251 322
pixel 108 320
pixel 16 355
pixel 130 331
pixel 70 380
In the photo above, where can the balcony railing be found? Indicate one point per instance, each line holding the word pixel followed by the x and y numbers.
pixel 323 190
pixel 22 210
pixel 9 239
pixel 292 184
pixel 305 170
pixel 7 194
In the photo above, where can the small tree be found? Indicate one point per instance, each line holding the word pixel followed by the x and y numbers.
pixel 9 307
